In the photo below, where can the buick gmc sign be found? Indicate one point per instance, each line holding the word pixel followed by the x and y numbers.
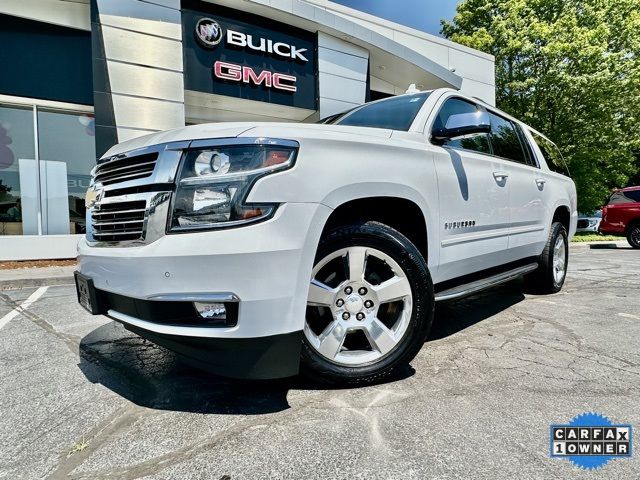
pixel 241 55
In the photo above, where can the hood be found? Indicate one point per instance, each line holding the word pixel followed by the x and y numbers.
pixel 290 131
pixel 194 132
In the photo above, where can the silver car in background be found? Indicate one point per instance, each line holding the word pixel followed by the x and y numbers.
pixel 589 222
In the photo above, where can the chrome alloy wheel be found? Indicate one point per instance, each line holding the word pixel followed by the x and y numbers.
pixel 359 306
pixel 635 235
pixel 559 259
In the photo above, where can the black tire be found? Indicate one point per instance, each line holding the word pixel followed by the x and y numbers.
pixel 406 255
pixel 633 234
pixel 543 281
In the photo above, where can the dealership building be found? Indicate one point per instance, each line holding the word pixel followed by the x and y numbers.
pixel 79 76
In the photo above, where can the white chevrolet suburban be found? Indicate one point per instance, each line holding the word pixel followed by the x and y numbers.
pixel 260 249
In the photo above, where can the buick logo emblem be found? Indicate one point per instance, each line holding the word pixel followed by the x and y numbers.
pixel 208 32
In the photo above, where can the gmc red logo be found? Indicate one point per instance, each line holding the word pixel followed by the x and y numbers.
pixel 238 73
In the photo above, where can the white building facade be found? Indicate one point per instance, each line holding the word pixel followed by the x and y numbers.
pixel 86 75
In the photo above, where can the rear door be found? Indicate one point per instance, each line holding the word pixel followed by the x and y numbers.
pixel 527 211
pixel 473 197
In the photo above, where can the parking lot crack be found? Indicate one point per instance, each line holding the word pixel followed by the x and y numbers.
pixel 120 420
pixel 162 462
pixel 71 341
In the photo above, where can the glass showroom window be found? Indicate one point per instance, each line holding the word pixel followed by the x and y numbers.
pixel 48 199
pixel 17 149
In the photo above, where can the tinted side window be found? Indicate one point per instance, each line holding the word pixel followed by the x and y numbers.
pixel 551 154
pixel 504 139
pixel 528 151
pixel 455 106
pixel 395 113
pixel 625 197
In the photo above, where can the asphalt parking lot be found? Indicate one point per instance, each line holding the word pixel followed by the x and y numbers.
pixel 82 398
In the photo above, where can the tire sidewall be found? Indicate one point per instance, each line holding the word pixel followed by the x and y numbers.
pixel 397 246
pixel 558 231
pixel 634 226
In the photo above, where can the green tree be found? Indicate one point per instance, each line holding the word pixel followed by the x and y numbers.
pixel 4 191
pixel 571 69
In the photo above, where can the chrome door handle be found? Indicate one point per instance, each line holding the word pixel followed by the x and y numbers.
pixel 500 176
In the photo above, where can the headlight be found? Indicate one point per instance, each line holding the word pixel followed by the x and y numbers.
pixel 214 183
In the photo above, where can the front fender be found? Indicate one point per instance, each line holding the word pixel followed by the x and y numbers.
pixel 357 191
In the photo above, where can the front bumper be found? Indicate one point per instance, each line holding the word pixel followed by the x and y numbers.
pixel 267 266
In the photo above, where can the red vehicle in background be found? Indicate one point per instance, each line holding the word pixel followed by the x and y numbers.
pixel 621 215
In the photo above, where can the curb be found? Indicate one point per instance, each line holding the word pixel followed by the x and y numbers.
pixel 599 245
pixel 35 282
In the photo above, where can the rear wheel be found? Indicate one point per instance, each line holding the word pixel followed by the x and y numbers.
pixel 370 305
pixel 552 270
pixel 633 235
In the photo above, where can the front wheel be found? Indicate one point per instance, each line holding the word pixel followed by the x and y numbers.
pixel 633 235
pixel 370 305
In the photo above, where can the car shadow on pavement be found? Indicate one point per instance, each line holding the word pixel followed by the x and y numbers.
pixel 153 377
pixel 455 316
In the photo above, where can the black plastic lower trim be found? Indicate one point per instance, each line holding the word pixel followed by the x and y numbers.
pixel 275 356
pixel 164 313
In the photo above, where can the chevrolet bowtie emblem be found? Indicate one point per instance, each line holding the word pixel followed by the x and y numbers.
pixel 92 197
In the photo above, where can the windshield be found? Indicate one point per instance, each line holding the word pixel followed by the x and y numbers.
pixel 395 113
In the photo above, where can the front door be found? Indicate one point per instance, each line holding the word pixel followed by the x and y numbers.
pixel 473 196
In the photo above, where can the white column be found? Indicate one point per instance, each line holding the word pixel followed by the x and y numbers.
pixel 342 68
pixel 143 50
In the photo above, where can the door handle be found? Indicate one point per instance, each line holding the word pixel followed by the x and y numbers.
pixel 540 181
pixel 500 176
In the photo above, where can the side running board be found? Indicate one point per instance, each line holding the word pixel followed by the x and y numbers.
pixel 473 287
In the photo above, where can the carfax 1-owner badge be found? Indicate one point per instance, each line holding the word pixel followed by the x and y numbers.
pixel 590 441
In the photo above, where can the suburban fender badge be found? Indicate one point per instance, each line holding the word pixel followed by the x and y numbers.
pixel 208 32
pixel 459 224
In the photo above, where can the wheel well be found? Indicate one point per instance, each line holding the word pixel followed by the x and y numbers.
pixel 399 213
pixel 563 216
pixel 631 224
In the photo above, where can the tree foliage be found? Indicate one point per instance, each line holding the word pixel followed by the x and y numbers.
pixel 4 192
pixel 571 69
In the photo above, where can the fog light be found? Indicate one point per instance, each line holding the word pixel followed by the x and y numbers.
pixel 214 311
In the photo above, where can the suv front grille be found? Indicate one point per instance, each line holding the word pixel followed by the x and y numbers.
pixel 125 169
pixel 114 222
pixel 132 195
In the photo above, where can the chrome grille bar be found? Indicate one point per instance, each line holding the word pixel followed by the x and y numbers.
pixel 119 221
pixel 132 191
pixel 127 168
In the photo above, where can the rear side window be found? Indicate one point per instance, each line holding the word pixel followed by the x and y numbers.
pixel 395 113
pixel 629 196
pixel 454 106
pixel 551 154
pixel 505 139
pixel 528 151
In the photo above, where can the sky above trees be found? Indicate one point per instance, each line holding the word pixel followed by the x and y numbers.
pixel 423 15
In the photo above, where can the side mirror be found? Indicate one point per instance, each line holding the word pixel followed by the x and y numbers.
pixel 463 124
